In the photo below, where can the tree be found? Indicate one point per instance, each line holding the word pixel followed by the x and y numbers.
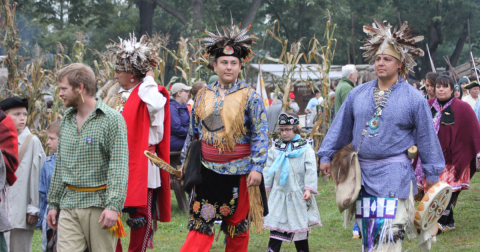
pixel 196 10
pixel 146 8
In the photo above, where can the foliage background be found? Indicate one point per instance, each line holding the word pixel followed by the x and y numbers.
pixel 442 22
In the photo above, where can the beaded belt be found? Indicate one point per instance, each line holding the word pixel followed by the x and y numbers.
pixel 373 207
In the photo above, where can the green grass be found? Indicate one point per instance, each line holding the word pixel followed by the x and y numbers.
pixel 331 237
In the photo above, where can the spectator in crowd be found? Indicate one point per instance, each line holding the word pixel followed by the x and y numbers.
pixel 458 91
pixel 430 85
pixel 180 116
pixel 415 84
pixel 473 88
pixel 311 108
pixel 293 105
pixel 463 82
pixel 331 98
pixel 24 193
pixel 53 132
pixel 193 92
pixel 346 84
pixel 273 111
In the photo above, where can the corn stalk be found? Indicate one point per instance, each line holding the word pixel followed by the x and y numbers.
pixel 290 59
pixel 161 42
pixel 189 61
pixel 323 56
pixel 10 40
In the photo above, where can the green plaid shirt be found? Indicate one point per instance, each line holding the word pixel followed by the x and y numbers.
pixel 97 156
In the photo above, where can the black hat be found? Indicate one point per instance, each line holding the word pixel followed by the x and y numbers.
pixel 287 120
pixel 13 102
pixel 472 84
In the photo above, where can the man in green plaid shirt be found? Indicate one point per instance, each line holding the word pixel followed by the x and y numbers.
pixel 89 183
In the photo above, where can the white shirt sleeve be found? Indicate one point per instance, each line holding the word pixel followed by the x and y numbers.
pixel 148 92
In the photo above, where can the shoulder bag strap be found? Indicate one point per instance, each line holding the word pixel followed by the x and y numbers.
pixel 23 149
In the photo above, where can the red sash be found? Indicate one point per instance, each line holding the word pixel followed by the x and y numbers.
pixel 211 154
pixel 137 119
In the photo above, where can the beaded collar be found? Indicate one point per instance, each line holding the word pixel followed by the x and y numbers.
pixel 228 86
pixel 282 145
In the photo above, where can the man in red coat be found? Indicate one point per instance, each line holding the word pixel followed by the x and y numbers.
pixel 142 103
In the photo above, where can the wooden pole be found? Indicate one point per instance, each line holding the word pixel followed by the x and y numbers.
pixel 353 38
pixel 348 53
pixel 469 41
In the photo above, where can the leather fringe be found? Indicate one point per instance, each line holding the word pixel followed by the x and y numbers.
pixel 200 226
pixel 348 216
pixel 233 231
pixel 410 230
pixel 255 213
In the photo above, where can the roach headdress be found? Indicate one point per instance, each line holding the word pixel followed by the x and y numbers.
pixel 399 44
pixel 132 56
pixel 233 42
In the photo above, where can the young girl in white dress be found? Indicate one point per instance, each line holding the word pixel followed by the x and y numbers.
pixel 291 178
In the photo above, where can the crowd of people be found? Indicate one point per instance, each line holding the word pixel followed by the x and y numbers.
pixel 232 169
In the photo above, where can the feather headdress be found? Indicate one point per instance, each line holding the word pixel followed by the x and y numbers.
pixel 381 39
pixel 232 42
pixel 132 56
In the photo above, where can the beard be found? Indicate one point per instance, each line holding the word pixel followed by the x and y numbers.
pixel 71 102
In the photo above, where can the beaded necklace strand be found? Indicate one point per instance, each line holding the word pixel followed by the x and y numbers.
pixel 218 106
pixel 380 97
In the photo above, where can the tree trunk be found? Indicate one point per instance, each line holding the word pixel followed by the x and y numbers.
pixel 146 8
pixel 252 12
pixel 279 18
pixel 172 11
pixel 353 38
pixel 435 38
pixel 301 11
pixel 197 9
pixel 459 47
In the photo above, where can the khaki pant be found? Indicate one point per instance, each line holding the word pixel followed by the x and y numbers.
pixel 79 229
pixel 19 240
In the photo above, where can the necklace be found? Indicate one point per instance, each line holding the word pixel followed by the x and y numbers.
pixel 380 97
pixel 216 105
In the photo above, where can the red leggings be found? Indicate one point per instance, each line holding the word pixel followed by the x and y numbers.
pixel 199 242
pixel 139 236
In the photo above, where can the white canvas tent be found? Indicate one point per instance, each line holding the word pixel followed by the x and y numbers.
pixel 272 72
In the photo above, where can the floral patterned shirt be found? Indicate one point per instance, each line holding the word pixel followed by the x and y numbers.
pixel 256 128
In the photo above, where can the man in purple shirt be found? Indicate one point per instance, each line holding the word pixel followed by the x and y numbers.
pixel 385 117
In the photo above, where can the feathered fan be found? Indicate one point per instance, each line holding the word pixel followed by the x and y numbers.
pixel 139 57
pixel 380 35
pixel 234 37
